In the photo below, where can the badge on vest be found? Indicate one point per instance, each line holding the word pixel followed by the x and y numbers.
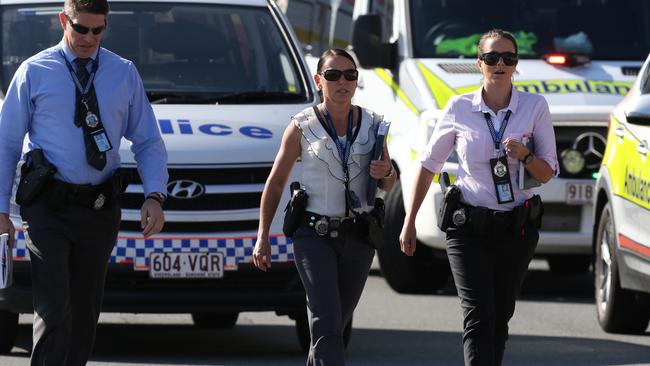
pixel 501 178
pixel 101 140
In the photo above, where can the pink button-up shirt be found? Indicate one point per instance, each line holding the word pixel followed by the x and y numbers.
pixel 462 126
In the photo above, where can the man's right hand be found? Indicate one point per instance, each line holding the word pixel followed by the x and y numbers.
pixel 6 226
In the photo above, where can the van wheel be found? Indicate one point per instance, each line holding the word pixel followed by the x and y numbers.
pixel 215 320
pixel 617 308
pixel 419 274
pixel 569 264
pixel 304 335
pixel 8 330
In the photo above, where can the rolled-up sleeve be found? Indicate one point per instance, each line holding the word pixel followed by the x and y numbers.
pixel 15 116
pixel 147 144
pixel 442 140
pixel 544 136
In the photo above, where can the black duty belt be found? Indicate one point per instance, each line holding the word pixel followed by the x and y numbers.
pixel 331 227
pixel 93 196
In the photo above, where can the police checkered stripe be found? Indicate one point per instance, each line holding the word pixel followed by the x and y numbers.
pixel 138 250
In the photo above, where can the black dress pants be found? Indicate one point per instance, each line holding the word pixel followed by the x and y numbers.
pixel 488 270
pixel 69 248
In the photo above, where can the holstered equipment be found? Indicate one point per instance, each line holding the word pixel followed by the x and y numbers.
pixel 295 210
pixel 35 173
pixel 371 224
pixel 450 202
pixel 97 197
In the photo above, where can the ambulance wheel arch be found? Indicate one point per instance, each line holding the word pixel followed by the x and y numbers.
pixel 618 310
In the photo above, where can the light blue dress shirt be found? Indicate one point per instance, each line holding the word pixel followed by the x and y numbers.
pixel 41 102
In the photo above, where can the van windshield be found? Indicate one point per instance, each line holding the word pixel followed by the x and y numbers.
pixel 185 53
pixel 601 29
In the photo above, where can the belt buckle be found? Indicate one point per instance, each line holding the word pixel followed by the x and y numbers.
pixel 99 202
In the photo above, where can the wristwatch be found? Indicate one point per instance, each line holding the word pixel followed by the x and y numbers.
pixel 158 197
pixel 528 158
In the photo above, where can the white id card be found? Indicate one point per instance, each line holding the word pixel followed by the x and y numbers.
pixel 101 140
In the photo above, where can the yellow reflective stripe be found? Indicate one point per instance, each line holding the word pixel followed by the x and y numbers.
pixel 436 178
pixel 386 78
pixel 564 87
pixel 626 167
pixel 440 91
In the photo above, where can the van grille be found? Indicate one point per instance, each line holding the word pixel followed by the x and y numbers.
pixel 208 177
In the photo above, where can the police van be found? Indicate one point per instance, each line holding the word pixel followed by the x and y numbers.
pixel 621 243
pixel 224 78
pixel 416 54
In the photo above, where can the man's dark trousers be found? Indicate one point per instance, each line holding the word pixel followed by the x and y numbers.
pixel 69 248
pixel 488 269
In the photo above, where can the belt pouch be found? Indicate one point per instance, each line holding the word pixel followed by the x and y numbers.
pixel 449 205
pixel 35 174
pixel 295 209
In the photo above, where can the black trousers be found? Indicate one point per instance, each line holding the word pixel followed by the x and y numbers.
pixel 333 273
pixel 69 248
pixel 488 270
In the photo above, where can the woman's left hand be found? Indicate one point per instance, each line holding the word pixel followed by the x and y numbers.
pixel 515 149
pixel 380 168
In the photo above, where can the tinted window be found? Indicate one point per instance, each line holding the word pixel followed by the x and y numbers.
pixel 177 48
pixel 604 29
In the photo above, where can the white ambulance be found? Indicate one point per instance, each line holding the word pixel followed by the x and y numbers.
pixel 224 78
pixel 416 54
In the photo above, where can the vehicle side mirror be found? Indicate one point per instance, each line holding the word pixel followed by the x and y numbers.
pixel 638 111
pixel 367 44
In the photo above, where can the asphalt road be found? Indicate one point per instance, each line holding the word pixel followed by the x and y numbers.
pixel 554 324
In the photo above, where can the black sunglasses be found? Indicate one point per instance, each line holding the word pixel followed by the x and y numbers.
pixel 335 75
pixel 83 29
pixel 492 58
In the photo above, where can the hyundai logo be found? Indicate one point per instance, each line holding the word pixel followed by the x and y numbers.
pixel 185 189
pixel 592 147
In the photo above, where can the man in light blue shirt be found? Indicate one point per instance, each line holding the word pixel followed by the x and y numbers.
pixel 75 101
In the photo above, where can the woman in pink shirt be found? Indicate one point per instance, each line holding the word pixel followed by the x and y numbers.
pixel 495 228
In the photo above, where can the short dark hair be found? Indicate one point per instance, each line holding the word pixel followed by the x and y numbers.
pixel 331 53
pixel 72 8
pixel 496 33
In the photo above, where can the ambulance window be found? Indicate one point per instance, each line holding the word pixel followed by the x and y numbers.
pixel 645 81
pixel 384 8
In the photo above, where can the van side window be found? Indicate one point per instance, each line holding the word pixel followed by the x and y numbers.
pixel 386 9
pixel 645 81
pixel 320 25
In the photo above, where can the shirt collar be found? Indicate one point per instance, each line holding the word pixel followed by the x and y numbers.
pixel 478 105
pixel 70 56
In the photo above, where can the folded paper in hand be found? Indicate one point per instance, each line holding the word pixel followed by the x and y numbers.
pixel 382 132
pixel 6 261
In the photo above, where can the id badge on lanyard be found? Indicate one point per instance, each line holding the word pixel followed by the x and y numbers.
pixel 499 164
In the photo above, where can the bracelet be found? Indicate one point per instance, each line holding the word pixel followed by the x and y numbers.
pixel 158 197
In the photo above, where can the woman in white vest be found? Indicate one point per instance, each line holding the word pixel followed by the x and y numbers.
pixel 332 257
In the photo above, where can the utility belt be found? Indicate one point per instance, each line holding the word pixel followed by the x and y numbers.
pixel 480 219
pixel 37 181
pixel 97 197
pixel 331 227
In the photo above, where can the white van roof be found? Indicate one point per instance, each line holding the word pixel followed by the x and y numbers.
pixel 224 2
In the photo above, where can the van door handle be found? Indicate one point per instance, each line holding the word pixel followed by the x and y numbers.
pixel 620 132
pixel 642 148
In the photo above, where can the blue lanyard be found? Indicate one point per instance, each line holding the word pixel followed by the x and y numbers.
pixel 496 137
pixel 344 150
pixel 77 83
